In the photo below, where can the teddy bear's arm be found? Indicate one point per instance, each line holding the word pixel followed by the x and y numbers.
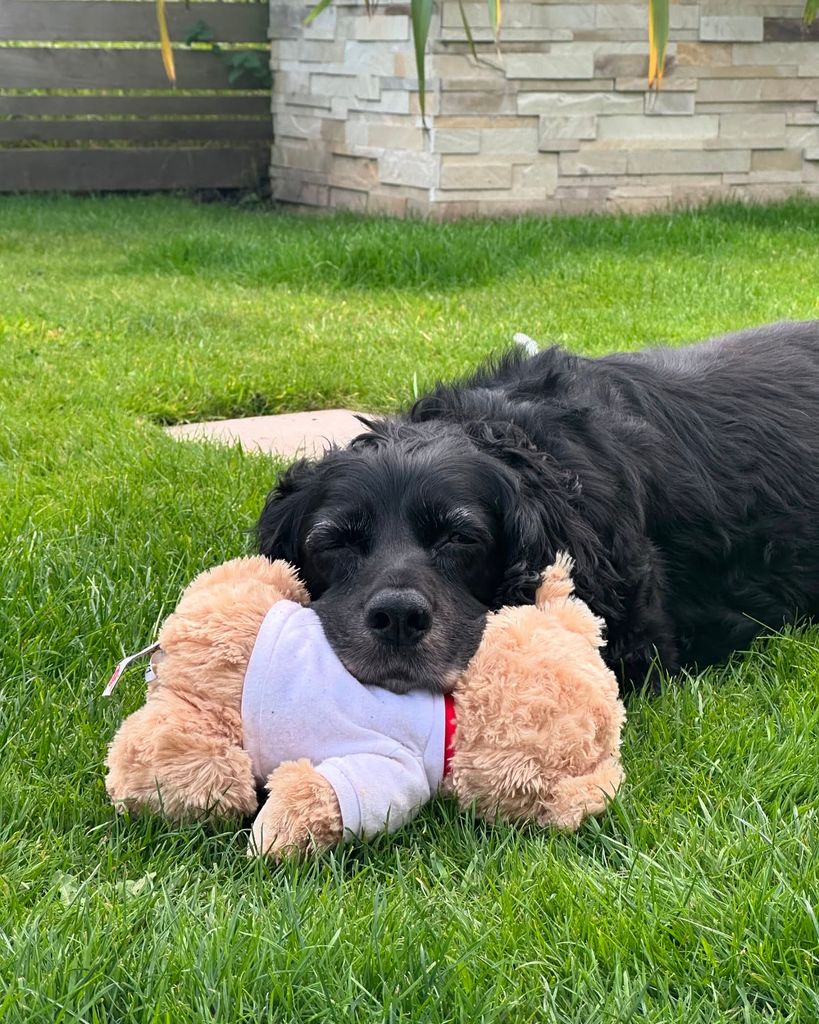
pixel 377 792
pixel 357 795
pixel 167 757
pixel 301 813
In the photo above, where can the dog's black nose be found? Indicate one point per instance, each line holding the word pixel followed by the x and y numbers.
pixel 400 618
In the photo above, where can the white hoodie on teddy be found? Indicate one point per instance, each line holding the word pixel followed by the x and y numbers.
pixel 383 753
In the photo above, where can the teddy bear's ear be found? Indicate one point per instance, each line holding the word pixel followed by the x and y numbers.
pixel 555 596
pixel 252 568
pixel 557 581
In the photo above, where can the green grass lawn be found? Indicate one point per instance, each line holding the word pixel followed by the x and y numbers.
pixel 694 899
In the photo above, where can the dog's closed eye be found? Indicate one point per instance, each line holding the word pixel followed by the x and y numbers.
pixel 452 528
pixel 337 535
pixel 460 539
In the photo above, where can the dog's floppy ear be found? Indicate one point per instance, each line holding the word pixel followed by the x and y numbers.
pixel 537 526
pixel 526 546
pixel 540 517
pixel 521 473
pixel 278 530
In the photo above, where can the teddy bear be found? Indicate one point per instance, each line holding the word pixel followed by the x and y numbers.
pixel 247 696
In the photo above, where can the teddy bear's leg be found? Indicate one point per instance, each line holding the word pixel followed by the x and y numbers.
pixel 183 762
pixel 574 799
pixel 301 813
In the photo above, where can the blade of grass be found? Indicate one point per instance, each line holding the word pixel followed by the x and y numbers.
pixel 811 10
pixel 658 21
pixel 165 42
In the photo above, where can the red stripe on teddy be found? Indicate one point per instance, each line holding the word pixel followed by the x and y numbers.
pixel 449 729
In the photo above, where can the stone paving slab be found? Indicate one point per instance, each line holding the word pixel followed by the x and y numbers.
pixel 289 435
pixel 294 433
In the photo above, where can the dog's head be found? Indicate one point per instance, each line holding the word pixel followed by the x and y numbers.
pixel 408 537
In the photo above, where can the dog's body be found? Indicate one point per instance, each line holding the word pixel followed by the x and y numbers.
pixel 684 482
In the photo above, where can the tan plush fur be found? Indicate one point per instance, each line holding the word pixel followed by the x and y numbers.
pixel 182 752
pixel 538 722
pixel 301 812
pixel 537 735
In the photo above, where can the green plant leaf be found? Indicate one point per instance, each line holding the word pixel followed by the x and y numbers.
pixel 421 15
pixel 247 63
pixel 320 6
pixel 658 21
pixel 811 10
pixel 199 32
pixel 495 17
pixel 467 30
pixel 165 42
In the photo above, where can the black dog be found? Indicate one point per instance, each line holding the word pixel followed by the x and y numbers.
pixel 683 482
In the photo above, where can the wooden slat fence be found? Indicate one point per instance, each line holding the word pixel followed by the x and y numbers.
pixel 100 116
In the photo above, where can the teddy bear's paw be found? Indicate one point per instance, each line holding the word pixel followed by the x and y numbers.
pixel 575 799
pixel 276 841
pixel 301 814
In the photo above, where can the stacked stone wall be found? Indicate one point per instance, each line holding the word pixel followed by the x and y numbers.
pixel 559 121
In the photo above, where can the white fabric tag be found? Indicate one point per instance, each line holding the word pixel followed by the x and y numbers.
pixel 122 665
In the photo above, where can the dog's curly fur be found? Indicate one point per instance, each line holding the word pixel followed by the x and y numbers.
pixel 684 483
